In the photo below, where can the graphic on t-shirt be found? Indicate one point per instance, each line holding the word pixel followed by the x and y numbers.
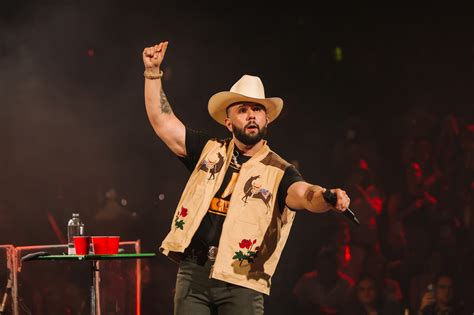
pixel 221 205
pixel 212 166
pixel 253 189
pixel 230 187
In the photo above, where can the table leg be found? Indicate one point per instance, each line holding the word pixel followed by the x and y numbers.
pixel 95 285
pixel 92 287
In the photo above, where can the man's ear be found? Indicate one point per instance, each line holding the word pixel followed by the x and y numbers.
pixel 228 124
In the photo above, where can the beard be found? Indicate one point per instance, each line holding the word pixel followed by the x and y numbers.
pixel 249 139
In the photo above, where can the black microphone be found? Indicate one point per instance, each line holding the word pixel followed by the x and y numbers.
pixel 331 198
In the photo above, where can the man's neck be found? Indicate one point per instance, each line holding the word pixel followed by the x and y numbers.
pixel 249 150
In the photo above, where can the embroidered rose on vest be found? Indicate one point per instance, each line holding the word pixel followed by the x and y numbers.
pixel 250 255
pixel 253 189
pixel 212 166
pixel 178 221
pixel 246 243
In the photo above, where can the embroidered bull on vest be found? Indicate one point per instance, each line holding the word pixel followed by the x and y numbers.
pixel 254 190
pixel 213 167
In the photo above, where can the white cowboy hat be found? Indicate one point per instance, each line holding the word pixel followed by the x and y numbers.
pixel 248 89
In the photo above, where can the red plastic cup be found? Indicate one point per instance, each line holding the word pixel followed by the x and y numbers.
pixel 100 245
pixel 81 244
pixel 113 244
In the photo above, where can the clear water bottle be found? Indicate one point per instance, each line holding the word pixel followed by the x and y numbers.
pixel 75 227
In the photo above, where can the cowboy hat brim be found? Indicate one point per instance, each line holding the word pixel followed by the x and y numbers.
pixel 219 102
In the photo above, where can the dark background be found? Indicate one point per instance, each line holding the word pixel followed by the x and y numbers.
pixel 73 120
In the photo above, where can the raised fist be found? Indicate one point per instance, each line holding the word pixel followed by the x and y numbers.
pixel 154 55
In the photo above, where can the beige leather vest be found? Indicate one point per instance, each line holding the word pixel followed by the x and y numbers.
pixel 255 230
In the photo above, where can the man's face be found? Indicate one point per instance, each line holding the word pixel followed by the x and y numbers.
pixel 366 292
pixel 247 121
pixel 444 290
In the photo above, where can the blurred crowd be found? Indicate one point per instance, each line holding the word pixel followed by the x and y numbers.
pixel 413 252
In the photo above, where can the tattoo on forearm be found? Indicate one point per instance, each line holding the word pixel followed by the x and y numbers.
pixel 164 104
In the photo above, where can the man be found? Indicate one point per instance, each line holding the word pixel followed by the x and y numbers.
pixel 234 217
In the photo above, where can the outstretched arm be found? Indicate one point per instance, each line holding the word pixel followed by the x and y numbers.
pixel 303 195
pixel 166 125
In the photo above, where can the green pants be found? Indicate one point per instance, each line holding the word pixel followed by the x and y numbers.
pixel 197 294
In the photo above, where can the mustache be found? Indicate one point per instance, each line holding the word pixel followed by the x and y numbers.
pixel 252 124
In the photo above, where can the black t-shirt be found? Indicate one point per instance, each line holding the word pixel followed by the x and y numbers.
pixel 209 231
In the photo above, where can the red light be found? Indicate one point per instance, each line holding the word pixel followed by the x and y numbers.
pixel 377 204
pixel 417 169
pixel 470 128
pixel 415 166
pixel 347 254
pixel 431 199
pixel 372 223
pixel 90 52
pixel 363 164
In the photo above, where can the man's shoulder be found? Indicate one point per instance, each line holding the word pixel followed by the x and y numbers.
pixel 274 159
pixel 221 141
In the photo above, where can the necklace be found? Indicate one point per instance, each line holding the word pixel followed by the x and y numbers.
pixel 234 163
